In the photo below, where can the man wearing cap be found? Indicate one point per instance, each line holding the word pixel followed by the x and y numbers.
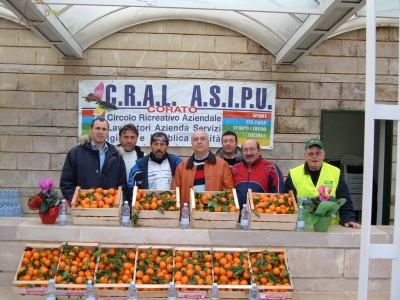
pixel 304 180
pixel 155 171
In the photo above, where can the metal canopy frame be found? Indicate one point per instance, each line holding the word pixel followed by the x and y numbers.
pixel 288 29
pixel 374 111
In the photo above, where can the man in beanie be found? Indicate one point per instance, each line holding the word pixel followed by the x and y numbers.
pixel 305 179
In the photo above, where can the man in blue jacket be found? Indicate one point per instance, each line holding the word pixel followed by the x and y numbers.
pixel 93 163
pixel 156 170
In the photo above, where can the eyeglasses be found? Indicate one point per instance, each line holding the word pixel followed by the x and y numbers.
pixel 312 154
pixel 159 139
pixel 249 149
pixel 201 138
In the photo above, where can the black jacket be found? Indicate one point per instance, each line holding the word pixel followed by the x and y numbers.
pixel 82 168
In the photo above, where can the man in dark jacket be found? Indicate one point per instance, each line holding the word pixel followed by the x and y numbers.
pixel 230 151
pixel 156 170
pixel 93 163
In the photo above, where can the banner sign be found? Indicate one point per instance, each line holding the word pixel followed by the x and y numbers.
pixel 179 108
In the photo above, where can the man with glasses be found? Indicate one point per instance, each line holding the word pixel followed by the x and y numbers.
pixel 305 179
pixel 229 151
pixel 261 176
pixel 156 170
pixel 203 171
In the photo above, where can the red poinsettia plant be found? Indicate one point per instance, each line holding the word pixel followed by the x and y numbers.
pixel 48 200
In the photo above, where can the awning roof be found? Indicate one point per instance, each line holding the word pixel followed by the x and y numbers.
pixel 288 29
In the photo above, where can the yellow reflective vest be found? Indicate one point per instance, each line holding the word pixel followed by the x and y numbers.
pixel 329 177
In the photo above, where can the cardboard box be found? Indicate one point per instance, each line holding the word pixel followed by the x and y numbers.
pixel 158 217
pixel 206 219
pixel 97 216
pixel 272 221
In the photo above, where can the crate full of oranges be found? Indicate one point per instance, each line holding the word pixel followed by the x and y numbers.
pixel 115 270
pixel 97 206
pixel 270 272
pixel 273 211
pixel 156 208
pixel 37 266
pixel 214 209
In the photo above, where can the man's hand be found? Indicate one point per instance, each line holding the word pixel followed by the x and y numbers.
pixel 352 224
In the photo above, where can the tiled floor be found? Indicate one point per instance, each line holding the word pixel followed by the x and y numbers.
pixel 6 293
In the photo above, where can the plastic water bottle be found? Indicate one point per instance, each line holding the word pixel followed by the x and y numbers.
pixel 171 291
pixel 132 293
pixel 51 290
pixel 63 217
pixel 126 215
pixel 244 218
pixel 185 217
pixel 214 292
pixel 301 220
pixel 253 292
pixel 90 294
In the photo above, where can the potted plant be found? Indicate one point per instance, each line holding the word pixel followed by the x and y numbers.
pixel 47 201
pixel 323 207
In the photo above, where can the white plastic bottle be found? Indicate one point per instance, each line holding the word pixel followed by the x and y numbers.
pixel 51 290
pixel 132 292
pixel 185 217
pixel 214 292
pixel 301 220
pixel 171 291
pixel 244 218
pixel 253 292
pixel 63 217
pixel 126 215
pixel 90 293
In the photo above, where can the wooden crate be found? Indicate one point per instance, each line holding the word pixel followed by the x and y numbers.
pixel 235 291
pixel 97 216
pixel 151 290
pixel 31 289
pixel 202 219
pixel 113 290
pixel 272 221
pixel 154 218
pixel 74 291
pixel 274 292
pixel 194 291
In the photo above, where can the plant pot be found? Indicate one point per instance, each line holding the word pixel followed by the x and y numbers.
pixel 34 204
pixel 323 224
pixel 51 216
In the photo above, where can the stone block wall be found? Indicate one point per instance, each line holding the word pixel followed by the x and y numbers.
pixel 39 89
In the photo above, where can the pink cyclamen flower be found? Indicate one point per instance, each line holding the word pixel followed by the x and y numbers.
pixel 46 185
pixel 321 190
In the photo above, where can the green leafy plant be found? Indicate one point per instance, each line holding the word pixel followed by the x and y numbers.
pixel 324 205
pixel 47 198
